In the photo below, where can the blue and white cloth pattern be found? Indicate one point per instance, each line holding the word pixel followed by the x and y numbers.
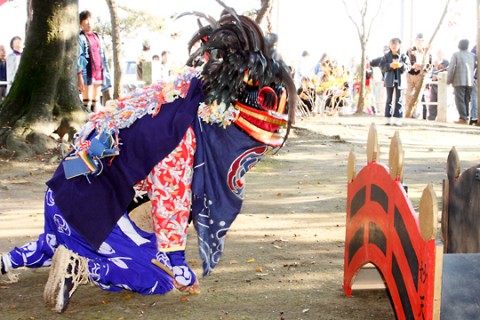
pixel 123 260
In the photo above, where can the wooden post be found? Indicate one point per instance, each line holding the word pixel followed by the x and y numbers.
pixel 373 150
pixel 442 97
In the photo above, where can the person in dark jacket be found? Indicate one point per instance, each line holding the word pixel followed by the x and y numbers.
pixel 395 65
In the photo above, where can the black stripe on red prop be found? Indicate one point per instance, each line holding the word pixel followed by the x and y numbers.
pixel 379 196
pixel 407 247
pixel 402 290
pixel 356 243
pixel 377 237
pixel 358 201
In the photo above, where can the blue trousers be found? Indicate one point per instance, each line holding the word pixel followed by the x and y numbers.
pixel 123 261
pixel 394 107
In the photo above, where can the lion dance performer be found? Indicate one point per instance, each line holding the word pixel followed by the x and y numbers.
pixel 187 144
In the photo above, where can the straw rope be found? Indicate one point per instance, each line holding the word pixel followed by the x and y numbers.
pixel 78 272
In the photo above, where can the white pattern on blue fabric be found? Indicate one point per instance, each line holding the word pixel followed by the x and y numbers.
pixel 94 269
pixel 118 261
pixel 49 198
pixel 62 225
pixel 106 249
pixel 51 240
pixel 128 229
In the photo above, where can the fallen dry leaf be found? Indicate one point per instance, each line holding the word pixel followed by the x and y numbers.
pixel 193 262
pixel 194 292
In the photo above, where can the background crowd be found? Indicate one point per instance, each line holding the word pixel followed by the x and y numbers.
pixel 391 80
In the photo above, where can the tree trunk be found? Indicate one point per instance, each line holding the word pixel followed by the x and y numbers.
pixel 44 87
pixel 116 48
pixel 361 94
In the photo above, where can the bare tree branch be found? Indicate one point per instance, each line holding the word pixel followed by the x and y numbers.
pixel 375 16
pixel 363 27
pixel 352 19
pixel 421 84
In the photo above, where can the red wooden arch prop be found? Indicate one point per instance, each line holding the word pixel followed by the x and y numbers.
pixel 383 229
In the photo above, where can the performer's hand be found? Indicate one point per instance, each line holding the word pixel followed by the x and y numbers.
pixel 193 289
pixel 183 276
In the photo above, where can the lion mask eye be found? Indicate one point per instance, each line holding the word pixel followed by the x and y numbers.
pixel 268 99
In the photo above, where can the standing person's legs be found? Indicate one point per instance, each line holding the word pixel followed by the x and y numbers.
pixel 468 99
pixel 96 94
pixel 424 109
pixel 90 96
pixel 398 110
pixel 389 105
pixel 474 104
pixel 460 103
pixel 87 97
pixel 433 108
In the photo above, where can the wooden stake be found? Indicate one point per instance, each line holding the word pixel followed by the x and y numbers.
pixel 163 267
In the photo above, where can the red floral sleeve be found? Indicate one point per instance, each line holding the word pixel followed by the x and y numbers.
pixel 169 189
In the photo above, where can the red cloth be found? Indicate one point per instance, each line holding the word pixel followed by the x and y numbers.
pixel 96 56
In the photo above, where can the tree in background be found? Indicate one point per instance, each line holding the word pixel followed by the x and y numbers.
pixel 116 48
pixel 363 24
pixel 265 12
pixel 43 92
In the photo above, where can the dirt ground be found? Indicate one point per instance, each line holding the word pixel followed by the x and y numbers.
pixel 284 253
